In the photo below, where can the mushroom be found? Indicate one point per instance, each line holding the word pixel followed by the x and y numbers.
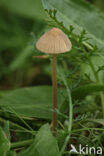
pixel 54 42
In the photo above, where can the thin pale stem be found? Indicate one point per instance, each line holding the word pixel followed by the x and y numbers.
pixel 54 81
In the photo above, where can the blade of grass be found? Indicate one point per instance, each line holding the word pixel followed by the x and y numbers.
pixel 17 126
pixel 21 119
pixel 21 143
pixel 86 129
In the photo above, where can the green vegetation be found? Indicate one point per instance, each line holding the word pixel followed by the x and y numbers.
pixel 25 77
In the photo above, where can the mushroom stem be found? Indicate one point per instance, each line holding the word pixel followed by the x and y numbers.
pixel 54 81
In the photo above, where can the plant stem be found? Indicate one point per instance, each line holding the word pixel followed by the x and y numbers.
pixel 54 81
pixel 96 77
pixel 93 69
pixel 21 143
pixel 70 116
pixel 102 101
pixel 98 81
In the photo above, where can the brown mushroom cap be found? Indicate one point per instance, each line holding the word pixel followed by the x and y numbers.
pixel 54 42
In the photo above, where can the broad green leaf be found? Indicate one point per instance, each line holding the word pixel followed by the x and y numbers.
pixel 85 90
pixel 44 144
pixel 32 8
pixel 80 14
pixel 4 143
pixel 30 102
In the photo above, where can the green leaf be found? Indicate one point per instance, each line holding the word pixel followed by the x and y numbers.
pixel 31 9
pixel 4 143
pixel 80 14
pixel 85 90
pixel 44 144
pixel 30 102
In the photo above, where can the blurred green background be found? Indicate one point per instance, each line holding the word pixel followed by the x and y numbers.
pixel 22 22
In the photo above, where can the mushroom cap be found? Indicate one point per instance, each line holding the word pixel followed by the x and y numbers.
pixel 54 42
